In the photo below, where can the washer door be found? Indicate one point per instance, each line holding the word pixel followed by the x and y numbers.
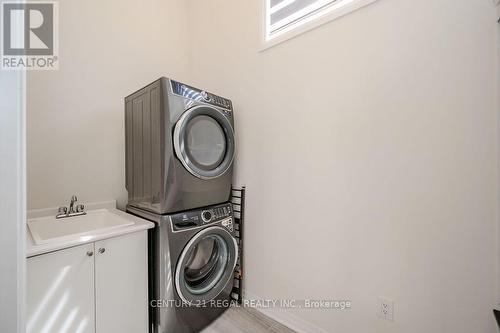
pixel 206 265
pixel 204 142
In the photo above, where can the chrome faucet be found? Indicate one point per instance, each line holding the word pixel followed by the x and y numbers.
pixel 72 204
pixel 65 212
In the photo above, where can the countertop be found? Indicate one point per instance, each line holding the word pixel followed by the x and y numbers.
pixel 33 249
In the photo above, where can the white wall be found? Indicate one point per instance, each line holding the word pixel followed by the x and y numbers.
pixel 108 49
pixel 12 201
pixel 369 150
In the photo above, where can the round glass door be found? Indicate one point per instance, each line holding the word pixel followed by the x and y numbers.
pixel 204 142
pixel 206 265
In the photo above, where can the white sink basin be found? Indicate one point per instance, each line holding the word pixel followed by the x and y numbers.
pixel 47 229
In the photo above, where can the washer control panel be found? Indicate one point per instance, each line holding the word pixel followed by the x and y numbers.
pixel 216 213
pixel 196 94
pixel 228 223
pixel 197 218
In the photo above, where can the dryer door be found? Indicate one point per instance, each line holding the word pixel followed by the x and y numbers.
pixel 204 142
pixel 206 265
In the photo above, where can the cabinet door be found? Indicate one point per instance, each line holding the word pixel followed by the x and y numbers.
pixel 60 291
pixel 121 278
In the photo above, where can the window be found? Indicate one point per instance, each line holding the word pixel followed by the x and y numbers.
pixel 287 18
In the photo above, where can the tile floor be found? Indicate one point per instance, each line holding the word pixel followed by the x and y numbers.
pixel 245 320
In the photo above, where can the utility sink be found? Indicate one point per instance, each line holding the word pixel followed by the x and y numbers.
pixel 47 229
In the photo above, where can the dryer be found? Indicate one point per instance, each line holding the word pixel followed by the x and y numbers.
pixel 179 147
pixel 192 260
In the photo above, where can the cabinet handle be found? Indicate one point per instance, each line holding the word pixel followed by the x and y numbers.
pixel 102 250
pixel 90 253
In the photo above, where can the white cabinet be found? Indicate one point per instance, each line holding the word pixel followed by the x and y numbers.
pixel 60 291
pixel 121 275
pixel 100 287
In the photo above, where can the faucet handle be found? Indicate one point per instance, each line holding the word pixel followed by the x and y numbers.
pixel 63 210
pixel 74 198
pixel 80 208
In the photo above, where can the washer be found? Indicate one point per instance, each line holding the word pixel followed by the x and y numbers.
pixel 179 147
pixel 193 255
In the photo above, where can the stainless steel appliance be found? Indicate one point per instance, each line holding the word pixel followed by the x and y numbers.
pixel 193 255
pixel 179 147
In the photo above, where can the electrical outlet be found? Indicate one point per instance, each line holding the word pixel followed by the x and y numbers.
pixel 385 308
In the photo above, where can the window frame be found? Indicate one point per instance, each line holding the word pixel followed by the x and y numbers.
pixel 324 16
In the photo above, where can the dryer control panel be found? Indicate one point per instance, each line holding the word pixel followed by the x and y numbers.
pixel 196 94
pixel 197 218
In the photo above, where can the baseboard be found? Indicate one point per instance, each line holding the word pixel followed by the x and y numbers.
pixel 284 317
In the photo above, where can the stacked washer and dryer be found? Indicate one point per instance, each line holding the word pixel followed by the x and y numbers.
pixel 179 156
